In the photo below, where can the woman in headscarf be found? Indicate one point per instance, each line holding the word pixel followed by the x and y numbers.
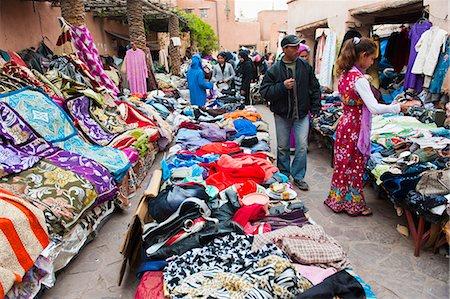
pixel 196 82
pixel 244 75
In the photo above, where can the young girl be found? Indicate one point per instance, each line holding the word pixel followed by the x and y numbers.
pixel 352 145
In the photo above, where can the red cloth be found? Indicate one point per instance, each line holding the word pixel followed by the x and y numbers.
pixel 17 59
pixel 188 125
pixel 249 213
pixel 223 178
pixel 257 229
pixel 243 160
pixel 220 148
pixel 246 188
pixel 151 286
pixel 133 116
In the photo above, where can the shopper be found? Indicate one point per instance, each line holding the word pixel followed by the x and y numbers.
pixel 293 92
pixel 223 72
pixel 244 76
pixel 196 82
pixel 352 144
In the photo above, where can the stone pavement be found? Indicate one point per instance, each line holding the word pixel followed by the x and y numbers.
pixel 380 255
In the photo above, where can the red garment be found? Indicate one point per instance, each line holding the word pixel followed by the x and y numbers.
pixel 189 125
pixel 249 213
pixel 133 116
pixel 223 178
pixel 243 160
pixel 246 188
pixel 17 59
pixel 151 286
pixel 257 229
pixel 220 148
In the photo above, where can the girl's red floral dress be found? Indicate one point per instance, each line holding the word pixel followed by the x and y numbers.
pixel 346 194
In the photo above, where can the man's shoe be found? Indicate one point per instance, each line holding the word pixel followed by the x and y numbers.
pixel 302 185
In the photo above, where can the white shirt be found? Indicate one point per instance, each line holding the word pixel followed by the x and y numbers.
pixel 362 87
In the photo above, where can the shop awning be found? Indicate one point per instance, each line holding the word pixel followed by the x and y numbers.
pixel 313 26
pixel 391 12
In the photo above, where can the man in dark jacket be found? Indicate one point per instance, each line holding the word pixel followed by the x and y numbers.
pixel 293 92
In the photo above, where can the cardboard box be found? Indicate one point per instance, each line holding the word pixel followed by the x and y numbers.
pixel 132 244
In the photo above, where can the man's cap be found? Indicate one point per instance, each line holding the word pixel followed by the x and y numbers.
pixel 290 41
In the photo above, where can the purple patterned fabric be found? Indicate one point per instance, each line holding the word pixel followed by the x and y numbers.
pixel 14 161
pixel 79 110
pixel 413 80
pixel 88 53
pixel 26 142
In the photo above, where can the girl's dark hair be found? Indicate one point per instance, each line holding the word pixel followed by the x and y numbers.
pixel 223 55
pixel 351 51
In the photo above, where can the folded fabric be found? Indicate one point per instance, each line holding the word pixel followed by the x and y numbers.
pixel 308 245
pixel 248 160
pixel 54 125
pixel 249 213
pixel 223 177
pixel 26 143
pixel 340 285
pixel 23 236
pixel 249 141
pixel 257 229
pixel 167 202
pixel 243 114
pixel 314 274
pixel 244 127
pixel 220 148
pixel 151 286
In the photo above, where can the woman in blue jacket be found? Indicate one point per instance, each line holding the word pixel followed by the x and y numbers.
pixel 196 82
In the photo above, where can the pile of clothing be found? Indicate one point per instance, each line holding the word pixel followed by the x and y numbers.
pixel 219 229
pixel 73 149
pixel 405 154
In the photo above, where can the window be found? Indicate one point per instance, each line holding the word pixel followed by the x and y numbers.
pixel 203 13
pixel 188 10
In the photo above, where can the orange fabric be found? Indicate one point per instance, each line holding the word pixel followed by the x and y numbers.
pixel 243 114
pixel 2 291
pixel 10 232
pixel 38 230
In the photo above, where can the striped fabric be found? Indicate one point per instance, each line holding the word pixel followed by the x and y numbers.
pixel 23 236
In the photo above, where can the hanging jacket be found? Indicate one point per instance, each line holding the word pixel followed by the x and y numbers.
pixel 429 47
pixel 196 82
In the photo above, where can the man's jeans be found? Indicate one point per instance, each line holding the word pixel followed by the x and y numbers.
pixel 301 131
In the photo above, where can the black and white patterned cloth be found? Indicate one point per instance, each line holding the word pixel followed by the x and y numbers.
pixel 226 268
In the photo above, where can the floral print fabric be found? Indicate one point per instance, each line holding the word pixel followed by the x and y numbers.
pixel 79 110
pixel 347 183
pixel 54 125
pixel 30 147
pixel 62 195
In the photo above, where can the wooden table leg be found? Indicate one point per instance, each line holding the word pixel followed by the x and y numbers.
pixel 417 234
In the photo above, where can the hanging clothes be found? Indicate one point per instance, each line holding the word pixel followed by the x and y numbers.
pixel 429 46
pixel 413 80
pixel 136 69
pixel 390 47
pixel 319 52
pixel 328 59
pixel 88 53
pixel 446 84
pixel 441 69
pixel 401 50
